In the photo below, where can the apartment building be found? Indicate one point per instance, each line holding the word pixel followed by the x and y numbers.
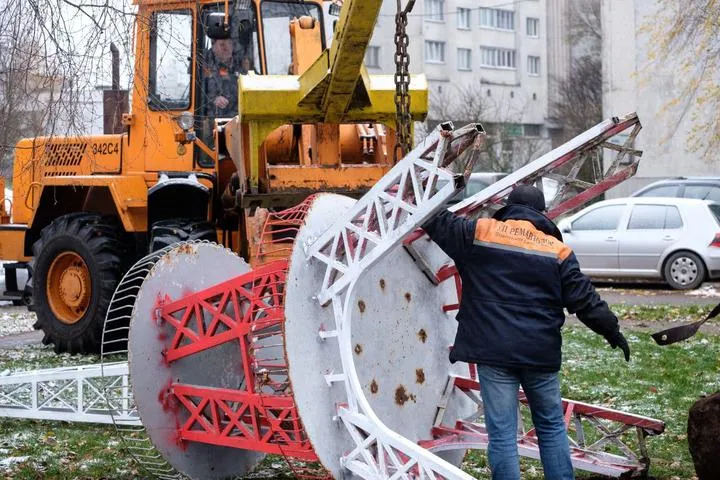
pixel 484 60
pixel 632 82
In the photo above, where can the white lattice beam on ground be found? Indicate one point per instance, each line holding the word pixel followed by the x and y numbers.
pixel 73 394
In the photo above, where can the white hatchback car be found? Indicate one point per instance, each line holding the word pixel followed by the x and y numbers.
pixel 673 239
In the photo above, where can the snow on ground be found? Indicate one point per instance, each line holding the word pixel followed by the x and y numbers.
pixel 15 320
pixel 9 461
pixel 705 291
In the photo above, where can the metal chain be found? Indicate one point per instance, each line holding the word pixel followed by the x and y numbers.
pixel 403 142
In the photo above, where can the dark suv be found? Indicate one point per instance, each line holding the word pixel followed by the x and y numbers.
pixel 704 188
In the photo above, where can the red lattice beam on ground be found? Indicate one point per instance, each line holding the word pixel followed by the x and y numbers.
pixel 655 426
pixel 466 434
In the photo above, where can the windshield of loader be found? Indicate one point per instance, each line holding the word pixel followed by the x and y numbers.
pixel 170 56
pixel 276 16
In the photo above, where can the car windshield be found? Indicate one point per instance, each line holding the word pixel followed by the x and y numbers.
pixel 703 192
pixel 661 191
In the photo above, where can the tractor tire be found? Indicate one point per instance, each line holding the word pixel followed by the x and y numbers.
pixel 168 232
pixel 76 265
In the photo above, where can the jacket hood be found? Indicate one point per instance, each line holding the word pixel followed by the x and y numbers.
pixel 523 212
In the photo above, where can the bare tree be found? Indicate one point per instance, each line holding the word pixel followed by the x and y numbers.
pixel 579 103
pixel 585 25
pixel 53 53
pixel 507 146
pixel 688 32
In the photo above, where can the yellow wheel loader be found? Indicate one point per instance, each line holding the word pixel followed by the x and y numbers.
pixel 238 108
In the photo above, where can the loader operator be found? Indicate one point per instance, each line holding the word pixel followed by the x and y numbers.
pixel 517 276
pixel 221 77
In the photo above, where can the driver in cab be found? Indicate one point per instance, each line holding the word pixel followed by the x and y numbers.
pixel 221 75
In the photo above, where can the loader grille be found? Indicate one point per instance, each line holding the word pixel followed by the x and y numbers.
pixel 64 154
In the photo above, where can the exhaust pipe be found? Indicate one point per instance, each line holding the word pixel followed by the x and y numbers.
pixel 115 101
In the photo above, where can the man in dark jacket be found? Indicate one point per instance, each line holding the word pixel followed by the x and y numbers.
pixel 517 277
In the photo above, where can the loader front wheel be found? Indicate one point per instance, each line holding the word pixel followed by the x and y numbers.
pixel 168 232
pixel 76 266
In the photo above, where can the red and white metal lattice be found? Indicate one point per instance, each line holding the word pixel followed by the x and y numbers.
pixel 213 351
pixel 260 415
pixel 391 211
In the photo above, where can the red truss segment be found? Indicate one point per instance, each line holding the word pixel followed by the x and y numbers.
pixel 261 415
pixel 233 418
pixel 606 424
pixel 250 301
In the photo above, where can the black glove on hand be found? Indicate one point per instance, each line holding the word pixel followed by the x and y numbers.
pixel 619 341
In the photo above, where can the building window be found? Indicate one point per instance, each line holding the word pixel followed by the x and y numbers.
pixel 533 27
pixel 496 18
pixel 497 57
pixel 463 18
pixel 533 65
pixel 434 52
pixel 434 10
pixel 372 57
pixel 531 130
pixel 464 59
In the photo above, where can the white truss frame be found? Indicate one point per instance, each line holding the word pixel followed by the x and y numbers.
pixel 395 206
pixel 72 394
pixel 380 220
pixel 572 192
pixel 400 202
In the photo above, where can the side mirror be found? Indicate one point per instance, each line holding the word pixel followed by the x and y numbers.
pixel 567 229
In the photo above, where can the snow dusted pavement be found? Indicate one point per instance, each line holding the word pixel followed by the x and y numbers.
pixel 16 327
pixel 658 294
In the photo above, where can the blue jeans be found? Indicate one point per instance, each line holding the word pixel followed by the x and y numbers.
pixel 499 391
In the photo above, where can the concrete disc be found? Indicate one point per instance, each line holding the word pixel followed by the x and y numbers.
pixel 186 269
pixel 400 337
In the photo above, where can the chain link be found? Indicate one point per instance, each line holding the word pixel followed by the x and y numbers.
pixel 403 142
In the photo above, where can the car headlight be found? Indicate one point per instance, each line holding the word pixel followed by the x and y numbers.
pixel 186 120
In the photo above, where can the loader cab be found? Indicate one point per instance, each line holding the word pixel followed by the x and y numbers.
pixel 256 41
pixel 189 63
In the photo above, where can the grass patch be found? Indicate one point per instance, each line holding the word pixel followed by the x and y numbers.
pixel 660 382
pixel 661 313
pixel 33 449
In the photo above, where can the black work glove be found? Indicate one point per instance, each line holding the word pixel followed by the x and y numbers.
pixel 619 341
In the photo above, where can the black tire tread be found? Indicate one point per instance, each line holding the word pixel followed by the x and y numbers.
pixel 102 237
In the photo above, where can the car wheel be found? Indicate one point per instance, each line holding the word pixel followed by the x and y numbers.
pixel 684 271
